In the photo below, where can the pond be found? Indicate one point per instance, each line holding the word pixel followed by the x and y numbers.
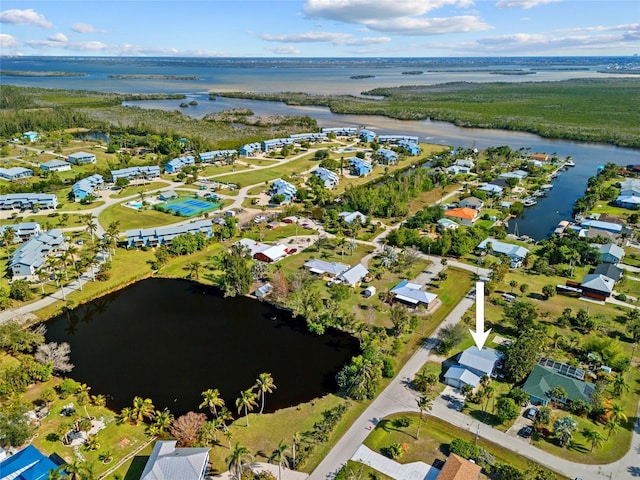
pixel 170 340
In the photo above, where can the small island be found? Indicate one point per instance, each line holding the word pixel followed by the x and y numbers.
pixel 359 77
pixel 21 73
pixel 413 72
pixel 193 103
pixel 153 77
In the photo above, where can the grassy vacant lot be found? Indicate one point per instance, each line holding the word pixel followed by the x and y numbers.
pixel 253 177
pixel 130 218
pixel 49 220
pixel 435 436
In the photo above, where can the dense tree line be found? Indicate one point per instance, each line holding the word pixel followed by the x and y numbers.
pixel 456 242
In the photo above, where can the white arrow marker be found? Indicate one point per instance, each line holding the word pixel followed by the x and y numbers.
pixel 480 336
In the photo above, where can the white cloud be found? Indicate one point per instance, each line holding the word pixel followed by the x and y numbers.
pixel 523 3
pixel 83 28
pixel 24 17
pixel 324 37
pixel 284 50
pixel 602 28
pixel 7 41
pixel 428 26
pixel 59 37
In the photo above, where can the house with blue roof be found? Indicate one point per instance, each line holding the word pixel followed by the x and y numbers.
pixel 22 231
pixel 152 237
pixel 27 464
pixel 397 139
pixel 309 137
pixel 610 253
pixel 31 256
pixel 217 154
pixel 600 225
pixel 80 158
pixel 412 148
pixel 385 156
pixel 329 178
pixel 360 167
pixel 341 131
pixel 250 149
pixel 177 164
pixel 15 173
pixel 516 253
pixel 28 200
pixel 493 190
pixel 367 135
pixel 87 186
pixel 55 165
pixel 31 136
pixel 473 364
pixel 281 187
pixel 132 173
pixel 275 143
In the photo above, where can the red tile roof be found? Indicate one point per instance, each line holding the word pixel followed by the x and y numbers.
pixel 457 468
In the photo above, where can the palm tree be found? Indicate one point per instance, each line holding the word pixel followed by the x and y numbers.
pixel 613 428
pixel 226 416
pixel 162 420
pixel 92 228
pixel 228 435
pixel 424 403
pixel 212 400
pixel 264 384
pixel 278 455
pixel 194 269
pixel 82 396
pixel 43 275
pixel 208 432
pixel 620 385
pixel 246 402
pixel 238 459
pixel 142 408
pixel 294 444
pixel 98 400
pixel 8 238
pixel 126 415
pixel 594 436
pixel 617 413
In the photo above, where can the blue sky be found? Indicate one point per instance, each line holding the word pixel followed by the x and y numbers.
pixel 320 28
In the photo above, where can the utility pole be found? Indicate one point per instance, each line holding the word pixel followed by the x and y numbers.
pixel 475 441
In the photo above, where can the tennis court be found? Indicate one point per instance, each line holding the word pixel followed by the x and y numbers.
pixel 189 207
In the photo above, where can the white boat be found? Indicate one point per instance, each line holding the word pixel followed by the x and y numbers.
pixel 569 163
pixel 546 186
pixel 529 202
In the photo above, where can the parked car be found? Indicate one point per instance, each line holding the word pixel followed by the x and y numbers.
pixel 525 432
pixel 531 413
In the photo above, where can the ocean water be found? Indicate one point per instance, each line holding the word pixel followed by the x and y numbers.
pixel 324 75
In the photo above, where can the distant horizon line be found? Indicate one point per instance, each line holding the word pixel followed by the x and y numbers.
pixel 221 57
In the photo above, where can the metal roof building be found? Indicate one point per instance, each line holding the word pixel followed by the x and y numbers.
pixel 28 200
pixel 164 235
pixel 130 173
pixel 85 187
pixel 30 256
pixel 167 462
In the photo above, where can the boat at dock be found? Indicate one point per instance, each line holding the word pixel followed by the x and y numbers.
pixel 569 163
pixel 529 202
pixel 546 186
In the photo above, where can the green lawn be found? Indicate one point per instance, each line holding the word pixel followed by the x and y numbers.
pixel 136 189
pixel 131 218
pixel 271 235
pixel 49 220
pixel 253 177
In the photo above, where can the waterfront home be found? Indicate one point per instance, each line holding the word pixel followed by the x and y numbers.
pixel 630 186
pixel 413 295
pixel 360 167
pixel 262 251
pixel 341 131
pixel 386 157
pixel 456 169
pixel 28 200
pixel 309 137
pixel 353 276
pixel 471 202
pixel 177 164
pixel 79 158
pixel 275 143
pixel 465 216
pixel 412 148
pixel 133 173
pixel 516 253
pixel 542 380
pixel 22 231
pixel 86 186
pixel 447 224
pixel 15 173
pixel 397 139
pixel 329 178
pixel 27 464
pixel 31 256
pixel 55 165
pixel 600 225
pixel 539 157
pixel 168 462
pixel 217 154
pixel 631 202
pixel 367 135
pixel 250 149
pixel 517 174
pixel 326 269
pixel 31 136
pixel 473 364
pixel 350 217
pixel 263 291
pixel 493 190
pixel 597 286
pixel 282 187
pixel 458 468
pixel 464 163
pixel 610 253
pixel 155 236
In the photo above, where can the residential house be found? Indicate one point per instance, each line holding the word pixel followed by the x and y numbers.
pixel 79 158
pixel 167 195
pixel 471 202
pixel 610 253
pixel 456 169
pixel 493 190
pixel 133 173
pixel 447 224
pixel 31 255
pixel 500 182
pixel 22 231
pixel 326 269
pixel 413 294
pixel 27 464
pixel 631 202
pixel 31 136
pixel 517 174
pixel 308 137
pixel 412 148
pixel 15 173
pixel 28 200
pixel 281 187
pixel 609 270
pixel 341 131
pixel 250 149
pixel 542 380
pixel 516 253
pixel 264 252
pixel 87 186
pixel 473 364
pixel 458 377
pixel 263 291
pixel 386 157
pixel 350 217
pixel 464 163
pixel 600 225
pixel 275 143
pixel 360 167
pixel 177 164
pixel 631 186
pixel 353 275
pixel 152 237
pixel 539 157
pixel 597 286
pixel 217 154
pixel 458 468
pixel 465 216
pixel 55 165
pixel 397 139
pixel 367 135
pixel 329 178
pixel 168 462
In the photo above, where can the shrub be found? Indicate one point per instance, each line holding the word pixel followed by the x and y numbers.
pixel 388 370
pixel 402 422
pixel 393 451
pixel 464 449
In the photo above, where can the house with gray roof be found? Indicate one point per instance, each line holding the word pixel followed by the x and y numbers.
pixel 610 253
pixel 609 270
pixel 350 217
pixel 15 173
pixel 154 236
pixel 471 202
pixel 30 256
pixel 28 200
pixel 481 362
pixel 329 178
pixel 328 269
pixel 167 462
pixel 80 158
pixel 413 294
pixel 22 231
pixel 87 186
pixel 132 173
pixel 516 253
pixel 447 224
pixel 55 165
pixel 517 174
pixel 598 286
pixel 458 377
pixel 353 276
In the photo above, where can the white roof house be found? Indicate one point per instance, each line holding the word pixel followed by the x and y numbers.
pixel 350 217
pixel 464 162
pixel 458 376
pixel 447 224
pixel 55 165
pixel 412 293
pixel 515 252
pixel 354 275
pixel 481 362
pixel 15 173
pixel 325 268
pixel 492 189
pixel 81 157
pixel 167 462
pixel 263 251
pixel 329 178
